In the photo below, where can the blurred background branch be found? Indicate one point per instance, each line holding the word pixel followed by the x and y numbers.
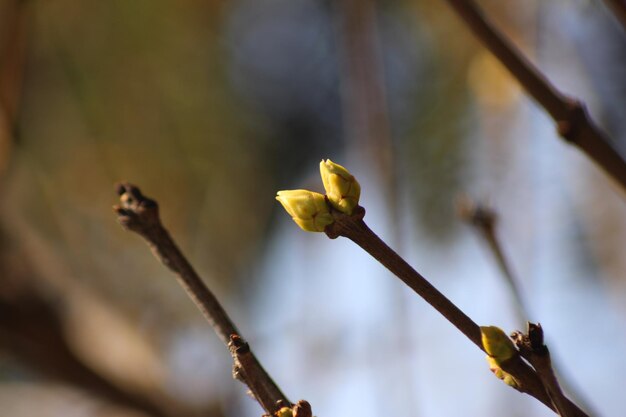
pixel 570 115
pixel 484 220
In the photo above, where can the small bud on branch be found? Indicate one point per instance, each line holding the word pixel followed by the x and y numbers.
pixel 348 222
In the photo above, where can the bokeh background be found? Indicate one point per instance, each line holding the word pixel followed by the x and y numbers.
pixel 211 107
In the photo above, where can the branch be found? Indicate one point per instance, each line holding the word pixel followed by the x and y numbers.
pixel 141 215
pixel 484 220
pixel 531 347
pixel 338 214
pixel 354 228
pixel 619 9
pixel 572 120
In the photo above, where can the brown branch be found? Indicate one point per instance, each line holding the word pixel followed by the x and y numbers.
pixel 141 215
pixel 484 220
pixel 532 348
pixel 354 228
pixel 573 122
pixel 248 370
pixel 619 9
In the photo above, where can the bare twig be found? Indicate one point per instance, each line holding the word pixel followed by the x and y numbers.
pixel 532 348
pixel 484 220
pixel 141 215
pixel 248 370
pixel 573 122
pixel 354 228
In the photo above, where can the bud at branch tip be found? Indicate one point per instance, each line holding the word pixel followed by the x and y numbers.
pixel 342 189
pixel 308 209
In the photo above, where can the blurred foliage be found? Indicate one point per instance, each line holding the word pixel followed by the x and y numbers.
pixel 435 148
pixel 125 91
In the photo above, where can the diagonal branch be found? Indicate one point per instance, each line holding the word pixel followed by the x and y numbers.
pixel 354 228
pixel 485 220
pixel 572 120
pixel 533 349
pixel 141 215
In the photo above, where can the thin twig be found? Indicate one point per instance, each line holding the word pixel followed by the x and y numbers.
pixel 573 122
pixel 141 215
pixel 533 349
pixel 354 228
pixel 484 221
pixel 248 370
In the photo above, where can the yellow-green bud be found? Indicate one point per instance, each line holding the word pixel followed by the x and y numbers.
pixel 506 377
pixel 284 412
pixel 497 344
pixel 308 209
pixel 342 189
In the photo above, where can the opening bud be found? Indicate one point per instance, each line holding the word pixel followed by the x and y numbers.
pixel 500 373
pixel 497 344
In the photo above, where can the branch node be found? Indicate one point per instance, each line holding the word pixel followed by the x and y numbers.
pixel 136 212
pixel 237 345
pixel 344 223
pixel 532 343
pixel 532 348
pixel 574 121
pixel 302 409
pixel 478 215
